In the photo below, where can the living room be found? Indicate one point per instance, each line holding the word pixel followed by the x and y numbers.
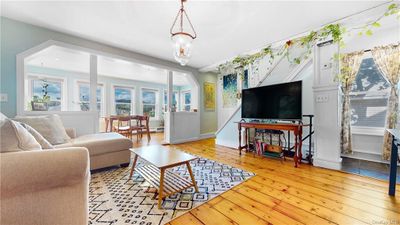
pixel 261 112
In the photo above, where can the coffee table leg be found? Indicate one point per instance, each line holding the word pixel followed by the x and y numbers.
pixel 191 176
pixel 133 166
pixel 160 192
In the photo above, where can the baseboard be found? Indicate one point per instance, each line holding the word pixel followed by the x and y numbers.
pixel 228 144
pixel 180 141
pixel 329 164
pixel 207 135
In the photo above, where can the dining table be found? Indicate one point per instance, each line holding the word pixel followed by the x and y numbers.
pixel 109 121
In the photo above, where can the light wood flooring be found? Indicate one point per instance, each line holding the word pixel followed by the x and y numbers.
pixel 282 194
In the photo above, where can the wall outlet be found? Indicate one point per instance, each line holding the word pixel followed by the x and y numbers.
pixel 3 97
pixel 322 98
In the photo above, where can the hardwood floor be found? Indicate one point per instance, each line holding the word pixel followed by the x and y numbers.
pixel 282 194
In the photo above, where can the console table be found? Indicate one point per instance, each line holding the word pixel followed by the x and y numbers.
pixel 296 128
pixel 393 160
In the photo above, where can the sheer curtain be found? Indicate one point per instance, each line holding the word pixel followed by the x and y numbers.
pixel 387 59
pixel 349 66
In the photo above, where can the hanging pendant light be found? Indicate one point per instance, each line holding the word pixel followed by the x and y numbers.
pixel 182 40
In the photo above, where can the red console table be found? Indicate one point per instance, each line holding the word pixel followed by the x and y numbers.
pixel 296 128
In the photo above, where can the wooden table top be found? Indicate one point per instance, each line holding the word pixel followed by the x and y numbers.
pixel 162 157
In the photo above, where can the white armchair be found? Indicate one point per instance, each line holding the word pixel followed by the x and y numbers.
pixel 45 187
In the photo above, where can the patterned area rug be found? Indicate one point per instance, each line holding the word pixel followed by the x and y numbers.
pixel 113 199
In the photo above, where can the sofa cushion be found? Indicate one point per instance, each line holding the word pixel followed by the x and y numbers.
pixel 39 138
pixel 15 137
pixel 49 126
pixel 100 143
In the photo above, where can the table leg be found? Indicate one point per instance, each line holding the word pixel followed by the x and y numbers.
pixel 393 168
pixel 295 158
pixel 106 123
pixel 192 176
pixel 240 139
pixel 300 144
pixel 246 144
pixel 148 134
pixel 133 166
pixel 160 192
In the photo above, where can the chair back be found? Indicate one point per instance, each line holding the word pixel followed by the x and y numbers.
pixel 124 121
pixel 144 120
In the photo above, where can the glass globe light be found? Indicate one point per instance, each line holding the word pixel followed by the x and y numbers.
pixel 182 47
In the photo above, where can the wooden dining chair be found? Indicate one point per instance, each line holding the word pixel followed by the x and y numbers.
pixel 124 126
pixel 144 126
pixel 136 127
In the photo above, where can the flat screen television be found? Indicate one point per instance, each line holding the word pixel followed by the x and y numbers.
pixel 279 102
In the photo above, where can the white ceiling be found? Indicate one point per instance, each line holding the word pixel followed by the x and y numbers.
pixel 224 28
pixel 77 61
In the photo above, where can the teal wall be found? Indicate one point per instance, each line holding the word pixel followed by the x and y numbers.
pixel 17 37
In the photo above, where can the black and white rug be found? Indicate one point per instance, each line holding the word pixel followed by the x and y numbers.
pixel 113 199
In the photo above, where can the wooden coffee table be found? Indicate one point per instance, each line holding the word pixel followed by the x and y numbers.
pixel 159 159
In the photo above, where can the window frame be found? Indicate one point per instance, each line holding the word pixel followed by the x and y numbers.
pixel 368 130
pixel 102 85
pixel 133 97
pixel 28 84
pixel 156 104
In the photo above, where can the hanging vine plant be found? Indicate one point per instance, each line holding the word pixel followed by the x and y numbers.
pixel 335 31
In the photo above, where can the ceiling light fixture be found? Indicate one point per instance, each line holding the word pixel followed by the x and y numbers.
pixel 181 39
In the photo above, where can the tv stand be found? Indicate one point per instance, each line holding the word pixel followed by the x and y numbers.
pixel 296 128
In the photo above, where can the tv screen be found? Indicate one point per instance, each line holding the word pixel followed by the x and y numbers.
pixel 280 101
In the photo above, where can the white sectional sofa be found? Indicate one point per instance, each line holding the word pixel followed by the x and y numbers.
pixel 46 183
pixel 105 149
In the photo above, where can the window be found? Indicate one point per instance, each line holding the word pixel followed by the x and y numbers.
pixel 46 94
pixel 174 100
pixel 123 100
pixel 84 97
pixel 149 102
pixel 186 101
pixel 369 96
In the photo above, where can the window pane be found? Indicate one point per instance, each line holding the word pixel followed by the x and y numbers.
pixel 149 110
pixel 368 98
pixel 84 92
pixel 123 100
pixel 122 109
pixel 84 97
pixel 46 95
pixel 149 97
pixel 174 98
pixel 187 98
pixel 369 78
pixel 122 95
pixel 368 112
pixel 187 108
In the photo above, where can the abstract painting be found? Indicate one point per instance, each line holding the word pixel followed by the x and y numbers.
pixel 229 91
pixel 245 82
pixel 209 96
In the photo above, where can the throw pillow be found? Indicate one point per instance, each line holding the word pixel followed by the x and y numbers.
pixel 49 126
pixel 15 137
pixel 39 138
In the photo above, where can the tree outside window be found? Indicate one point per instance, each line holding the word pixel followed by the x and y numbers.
pixel 46 95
